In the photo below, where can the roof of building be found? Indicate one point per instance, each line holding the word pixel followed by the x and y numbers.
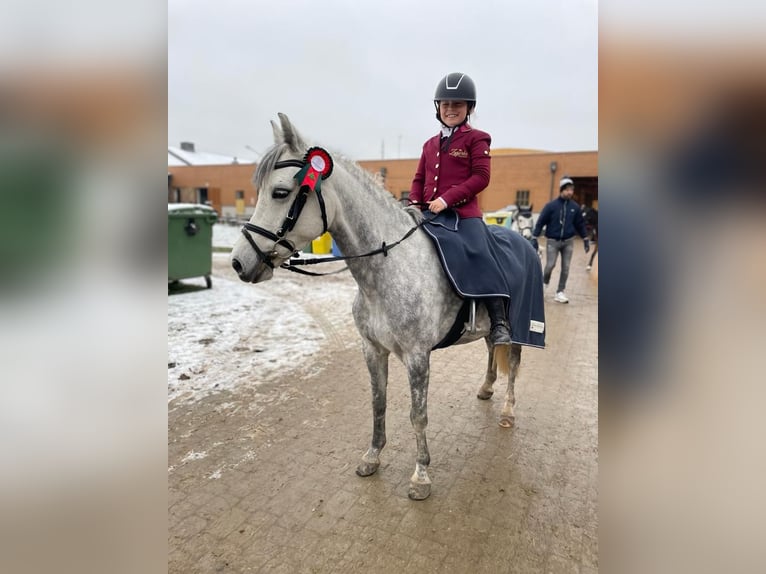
pixel 515 151
pixel 179 157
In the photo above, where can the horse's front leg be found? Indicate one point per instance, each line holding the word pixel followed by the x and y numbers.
pixel 486 391
pixel 507 416
pixel 377 364
pixel 418 372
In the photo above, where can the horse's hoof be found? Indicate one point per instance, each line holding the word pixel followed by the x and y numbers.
pixel 506 422
pixel 367 468
pixel 484 395
pixel 419 491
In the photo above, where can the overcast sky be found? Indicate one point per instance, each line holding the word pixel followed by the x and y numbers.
pixel 359 76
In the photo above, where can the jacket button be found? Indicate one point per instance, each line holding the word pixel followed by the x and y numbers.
pixel 436 177
pixel 437 166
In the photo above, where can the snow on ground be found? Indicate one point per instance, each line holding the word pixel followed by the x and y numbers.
pixel 242 334
pixel 225 235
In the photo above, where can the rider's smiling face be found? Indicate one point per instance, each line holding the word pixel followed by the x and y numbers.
pixel 453 112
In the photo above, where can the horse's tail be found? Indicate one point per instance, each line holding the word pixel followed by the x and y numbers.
pixel 500 356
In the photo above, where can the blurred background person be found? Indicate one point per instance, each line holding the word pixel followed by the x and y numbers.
pixel 562 220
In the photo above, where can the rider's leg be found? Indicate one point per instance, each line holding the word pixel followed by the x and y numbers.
pixel 500 332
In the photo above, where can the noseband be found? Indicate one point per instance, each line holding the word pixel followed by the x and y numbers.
pixel 315 166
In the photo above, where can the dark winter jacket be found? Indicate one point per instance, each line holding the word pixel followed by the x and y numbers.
pixel 562 219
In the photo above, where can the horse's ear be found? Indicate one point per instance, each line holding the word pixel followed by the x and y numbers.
pixel 278 135
pixel 291 136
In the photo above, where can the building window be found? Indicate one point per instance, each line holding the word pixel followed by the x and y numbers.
pixel 522 197
pixel 239 194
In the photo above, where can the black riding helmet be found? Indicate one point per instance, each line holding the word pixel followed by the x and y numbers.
pixel 456 87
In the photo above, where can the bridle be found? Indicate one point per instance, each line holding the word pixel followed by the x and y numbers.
pixel 309 177
pixel 293 213
pixel 527 228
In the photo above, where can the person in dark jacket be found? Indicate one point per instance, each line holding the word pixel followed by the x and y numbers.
pixel 590 215
pixel 562 219
pixel 454 168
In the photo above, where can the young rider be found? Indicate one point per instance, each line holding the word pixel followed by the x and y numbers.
pixel 454 168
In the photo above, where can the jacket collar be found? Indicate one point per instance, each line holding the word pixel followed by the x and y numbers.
pixel 446 132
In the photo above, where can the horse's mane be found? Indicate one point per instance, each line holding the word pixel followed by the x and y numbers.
pixel 266 165
pixel 369 185
pixel 414 212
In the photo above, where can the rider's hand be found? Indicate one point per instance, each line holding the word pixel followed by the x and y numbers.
pixel 437 205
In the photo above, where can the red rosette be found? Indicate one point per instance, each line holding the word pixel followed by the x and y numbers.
pixel 319 161
pixel 316 167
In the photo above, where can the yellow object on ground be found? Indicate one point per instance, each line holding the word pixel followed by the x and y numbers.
pixel 322 245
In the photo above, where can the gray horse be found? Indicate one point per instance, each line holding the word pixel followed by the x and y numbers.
pixel 405 304
pixel 524 223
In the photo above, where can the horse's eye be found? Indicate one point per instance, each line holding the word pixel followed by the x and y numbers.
pixel 280 193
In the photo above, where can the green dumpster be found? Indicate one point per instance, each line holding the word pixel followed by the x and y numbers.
pixel 190 241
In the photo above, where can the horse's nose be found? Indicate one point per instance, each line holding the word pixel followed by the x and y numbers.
pixel 237 265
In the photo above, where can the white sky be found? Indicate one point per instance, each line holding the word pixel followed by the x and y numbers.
pixel 360 76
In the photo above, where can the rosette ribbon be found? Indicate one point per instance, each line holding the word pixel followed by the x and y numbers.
pixel 318 166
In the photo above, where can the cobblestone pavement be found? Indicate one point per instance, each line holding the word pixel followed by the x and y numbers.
pixel 276 489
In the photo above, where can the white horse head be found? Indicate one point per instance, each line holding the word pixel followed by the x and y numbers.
pixel 524 222
pixel 304 214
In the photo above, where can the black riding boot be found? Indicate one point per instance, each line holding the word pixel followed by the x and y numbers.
pixel 499 332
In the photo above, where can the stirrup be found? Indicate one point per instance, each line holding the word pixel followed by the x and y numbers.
pixel 471 325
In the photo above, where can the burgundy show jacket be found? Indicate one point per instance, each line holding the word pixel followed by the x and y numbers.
pixel 458 174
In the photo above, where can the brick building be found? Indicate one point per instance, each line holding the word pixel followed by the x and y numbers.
pixel 518 176
pixel 522 177
pixel 223 182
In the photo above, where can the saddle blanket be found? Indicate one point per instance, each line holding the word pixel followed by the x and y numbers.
pixel 483 260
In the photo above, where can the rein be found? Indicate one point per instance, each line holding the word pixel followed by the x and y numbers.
pixel 384 249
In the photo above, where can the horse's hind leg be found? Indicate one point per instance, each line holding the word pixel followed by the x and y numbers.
pixel 418 371
pixel 377 364
pixel 486 391
pixel 507 416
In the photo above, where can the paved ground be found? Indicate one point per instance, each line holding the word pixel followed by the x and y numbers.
pixel 275 490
